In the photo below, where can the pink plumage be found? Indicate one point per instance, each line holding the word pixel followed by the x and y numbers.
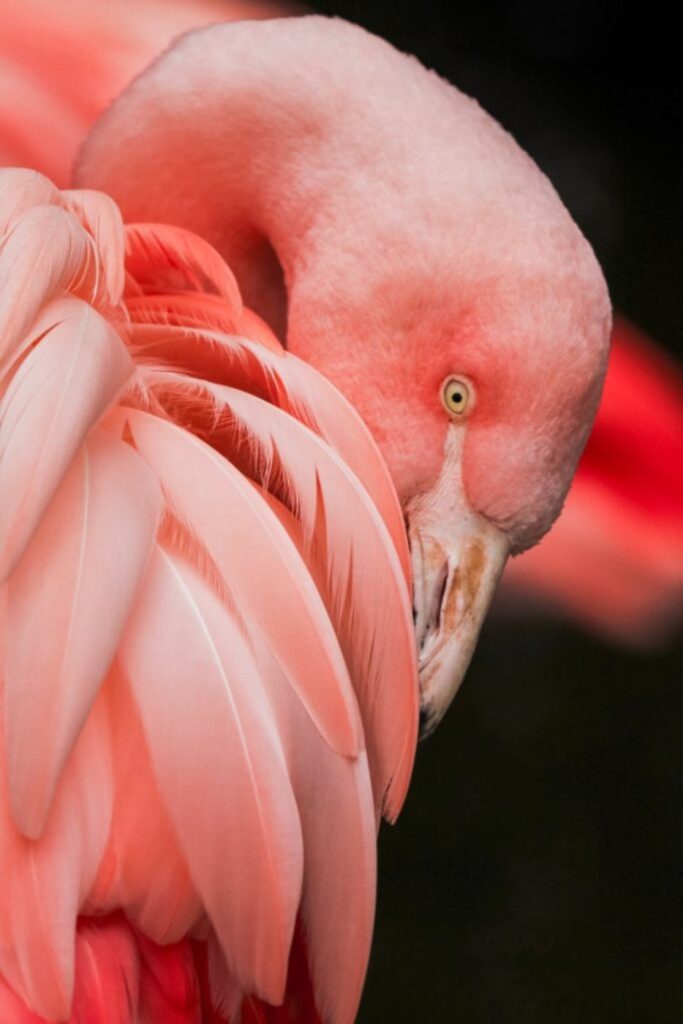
pixel 256 708
pixel 211 676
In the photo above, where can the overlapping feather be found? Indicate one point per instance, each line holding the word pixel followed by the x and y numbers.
pixel 205 621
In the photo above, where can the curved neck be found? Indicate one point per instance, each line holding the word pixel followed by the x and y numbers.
pixel 249 135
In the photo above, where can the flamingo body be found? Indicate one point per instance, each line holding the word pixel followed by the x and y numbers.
pixel 103 564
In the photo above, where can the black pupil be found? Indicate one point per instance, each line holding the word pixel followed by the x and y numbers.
pixel 456 396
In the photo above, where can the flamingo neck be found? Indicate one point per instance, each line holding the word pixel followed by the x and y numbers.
pixel 238 135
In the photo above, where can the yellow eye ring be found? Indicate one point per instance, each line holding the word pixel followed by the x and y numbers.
pixel 457 396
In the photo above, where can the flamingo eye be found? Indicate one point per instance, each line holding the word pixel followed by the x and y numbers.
pixel 457 396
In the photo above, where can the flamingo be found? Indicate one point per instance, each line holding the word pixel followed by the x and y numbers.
pixel 212 674
pixel 608 529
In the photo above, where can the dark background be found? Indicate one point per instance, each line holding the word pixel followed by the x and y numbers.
pixel 533 877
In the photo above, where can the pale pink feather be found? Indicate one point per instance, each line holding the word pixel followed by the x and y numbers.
pixel 58 393
pixel 101 217
pixel 343 531
pixel 49 880
pixel 292 384
pixel 229 710
pixel 143 868
pixel 20 191
pixel 68 600
pixel 220 767
pixel 339 829
pixel 260 566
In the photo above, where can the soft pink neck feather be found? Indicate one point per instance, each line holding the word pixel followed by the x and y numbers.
pixel 306 138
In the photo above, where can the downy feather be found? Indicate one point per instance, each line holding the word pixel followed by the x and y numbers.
pixel 159 256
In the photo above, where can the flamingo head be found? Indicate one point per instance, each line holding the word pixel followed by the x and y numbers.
pixel 480 379
pixel 420 260
pixel 470 330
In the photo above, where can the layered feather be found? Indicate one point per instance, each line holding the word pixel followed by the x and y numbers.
pixel 348 550
pixel 68 601
pixel 208 682
pixel 220 767
pixel 59 392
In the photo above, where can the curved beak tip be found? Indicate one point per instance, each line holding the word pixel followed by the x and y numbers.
pixel 428 723
pixel 456 566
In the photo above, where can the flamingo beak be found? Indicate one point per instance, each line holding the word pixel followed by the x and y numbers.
pixel 458 557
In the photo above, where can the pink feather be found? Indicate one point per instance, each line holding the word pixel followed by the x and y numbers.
pixel 49 880
pixel 53 240
pixel 169 992
pixel 158 256
pixel 289 383
pixel 68 601
pixel 20 191
pixel 220 767
pixel 220 678
pixel 143 869
pixel 59 392
pixel 361 574
pixel 260 567
pixel 338 823
pixel 102 219
pixel 108 972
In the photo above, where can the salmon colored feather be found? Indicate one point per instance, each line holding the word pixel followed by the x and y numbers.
pixel 275 700
pixel 45 116
pixel 211 677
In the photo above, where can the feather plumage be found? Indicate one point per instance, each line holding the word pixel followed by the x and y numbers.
pixel 57 395
pixel 260 566
pixel 161 259
pixel 68 601
pixel 220 767
pixel 342 535
pixel 195 634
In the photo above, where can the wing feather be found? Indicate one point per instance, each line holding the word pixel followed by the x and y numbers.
pixel 143 869
pixel 220 767
pixel 338 823
pixel 218 355
pixel 68 601
pixel 49 879
pixel 360 572
pixel 260 567
pixel 59 392
pixel 101 217
pixel 20 191
pixel 46 254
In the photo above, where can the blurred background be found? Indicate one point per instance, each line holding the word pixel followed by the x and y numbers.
pixel 533 877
